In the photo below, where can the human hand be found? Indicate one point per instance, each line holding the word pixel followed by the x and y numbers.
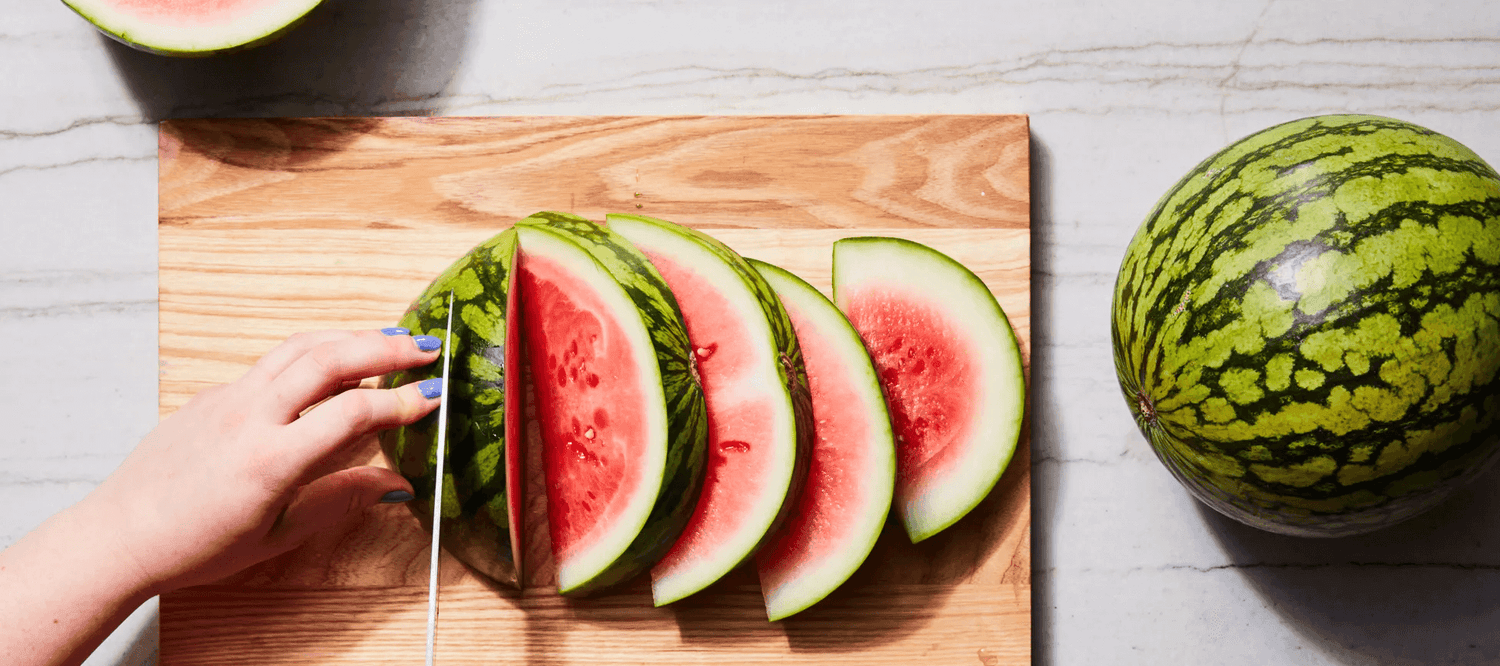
pixel 240 473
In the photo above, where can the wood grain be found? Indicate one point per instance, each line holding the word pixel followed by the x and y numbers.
pixel 269 227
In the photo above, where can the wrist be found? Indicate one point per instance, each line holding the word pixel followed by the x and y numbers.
pixel 91 538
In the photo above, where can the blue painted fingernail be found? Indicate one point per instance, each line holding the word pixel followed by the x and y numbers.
pixel 396 496
pixel 428 343
pixel 395 330
pixel 431 388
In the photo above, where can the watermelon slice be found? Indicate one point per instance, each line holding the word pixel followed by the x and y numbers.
pixel 621 416
pixel 482 483
pixel 950 368
pixel 853 468
pixel 750 365
pixel 193 27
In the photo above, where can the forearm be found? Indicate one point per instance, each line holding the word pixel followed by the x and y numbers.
pixel 65 587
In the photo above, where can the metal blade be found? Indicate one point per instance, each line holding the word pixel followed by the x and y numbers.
pixel 437 488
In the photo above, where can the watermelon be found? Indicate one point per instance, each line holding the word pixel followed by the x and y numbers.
pixel 1305 327
pixel 756 395
pixel 482 474
pixel 621 412
pixel 193 27
pixel 852 471
pixel 950 368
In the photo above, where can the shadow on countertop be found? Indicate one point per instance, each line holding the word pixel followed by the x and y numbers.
pixel 350 57
pixel 1426 591
pixel 1043 412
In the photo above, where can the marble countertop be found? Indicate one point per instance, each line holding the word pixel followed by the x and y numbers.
pixel 1124 97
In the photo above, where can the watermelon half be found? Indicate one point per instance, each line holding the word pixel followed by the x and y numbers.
pixel 621 415
pixel 950 368
pixel 482 482
pixel 756 392
pixel 193 27
pixel 852 472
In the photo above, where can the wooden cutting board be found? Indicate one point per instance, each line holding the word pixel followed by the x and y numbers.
pixel 269 227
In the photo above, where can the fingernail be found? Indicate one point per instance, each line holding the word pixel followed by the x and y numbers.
pixel 395 496
pixel 431 388
pixel 428 343
pixel 395 330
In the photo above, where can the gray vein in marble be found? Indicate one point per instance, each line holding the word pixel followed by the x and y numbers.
pixel 77 162
pixel 78 309
pixel 119 120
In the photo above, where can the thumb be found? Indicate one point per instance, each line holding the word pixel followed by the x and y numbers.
pixel 329 500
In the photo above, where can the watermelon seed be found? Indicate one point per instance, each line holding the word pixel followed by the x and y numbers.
pixel 734 445
pixel 581 453
pixel 705 352
pixel 588 433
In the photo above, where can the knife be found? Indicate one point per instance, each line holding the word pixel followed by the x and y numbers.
pixel 437 488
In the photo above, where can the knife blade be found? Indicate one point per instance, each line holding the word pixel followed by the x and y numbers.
pixel 437 489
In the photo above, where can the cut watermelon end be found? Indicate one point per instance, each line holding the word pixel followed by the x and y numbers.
pixel 809 558
pixel 960 317
pixel 579 564
pixel 237 25
pixel 515 476
pixel 753 441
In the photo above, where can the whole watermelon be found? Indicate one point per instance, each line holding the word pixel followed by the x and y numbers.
pixel 1305 328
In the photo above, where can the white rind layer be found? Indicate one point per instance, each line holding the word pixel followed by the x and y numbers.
pixel 925 275
pixel 669 584
pixel 823 320
pixel 589 562
pixel 262 22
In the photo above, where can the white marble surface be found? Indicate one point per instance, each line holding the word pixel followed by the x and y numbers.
pixel 1124 97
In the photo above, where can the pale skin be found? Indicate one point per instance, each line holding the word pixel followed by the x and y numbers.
pixel 236 476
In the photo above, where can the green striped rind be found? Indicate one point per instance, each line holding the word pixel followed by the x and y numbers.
pixel 1307 327
pixel 790 372
pixel 476 526
pixel 687 422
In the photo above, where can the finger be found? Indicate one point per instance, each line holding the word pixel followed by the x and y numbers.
pixel 347 417
pixel 321 371
pixel 283 355
pixel 329 500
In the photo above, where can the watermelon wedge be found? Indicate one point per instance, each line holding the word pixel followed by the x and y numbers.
pixel 193 27
pixel 482 482
pixel 852 473
pixel 756 392
pixel 621 415
pixel 950 368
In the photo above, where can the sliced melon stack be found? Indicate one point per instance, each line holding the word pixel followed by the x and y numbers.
pixel 698 410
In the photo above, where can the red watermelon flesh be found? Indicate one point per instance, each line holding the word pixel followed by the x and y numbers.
pixel 192 13
pixel 514 416
pixel 925 365
pixel 582 373
pixel 847 495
